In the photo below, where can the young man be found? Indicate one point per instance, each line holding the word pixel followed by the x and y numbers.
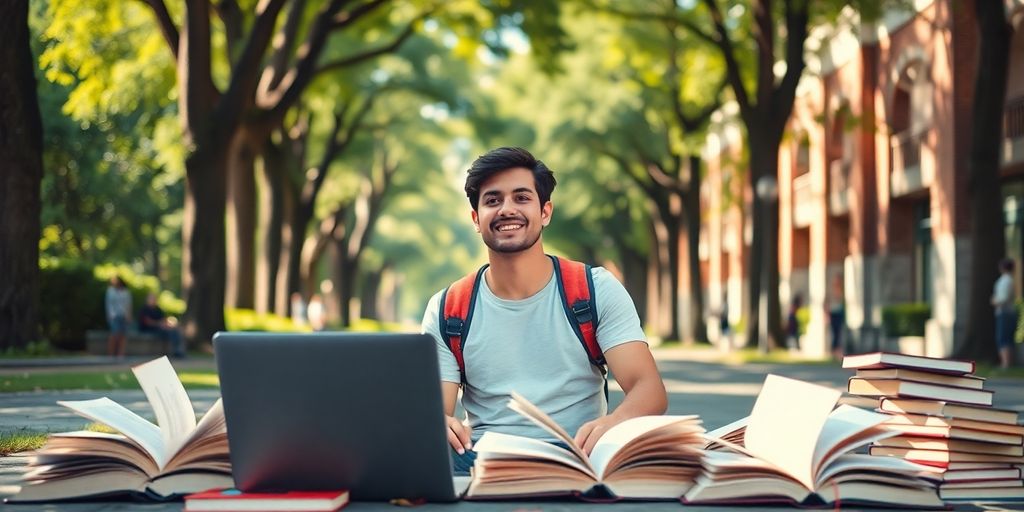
pixel 521 339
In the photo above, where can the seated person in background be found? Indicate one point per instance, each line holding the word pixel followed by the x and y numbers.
pixel 152 319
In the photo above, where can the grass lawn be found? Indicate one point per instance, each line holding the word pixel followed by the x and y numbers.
pixel 97 381
pixel 21 441
pixel 27 440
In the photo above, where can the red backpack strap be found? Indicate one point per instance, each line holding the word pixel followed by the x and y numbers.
pixel 576 285
pixel 455 312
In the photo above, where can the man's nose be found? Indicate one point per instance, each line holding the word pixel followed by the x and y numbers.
pixel 506 209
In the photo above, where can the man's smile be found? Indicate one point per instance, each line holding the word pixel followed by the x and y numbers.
pixel 507 226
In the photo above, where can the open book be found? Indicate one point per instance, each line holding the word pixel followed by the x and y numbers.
pixel 176 456
pixel 797 449
pixel 649 457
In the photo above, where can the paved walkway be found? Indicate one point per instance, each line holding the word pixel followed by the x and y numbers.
pixel 719 393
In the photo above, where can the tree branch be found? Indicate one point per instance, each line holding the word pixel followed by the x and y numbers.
pixel 242 88
pixel 167 27
pixel 627 169
pixel 797 19
pixel 765 39
pixel 284 43
pixel 231 15
pixel 277 101
pixel 346 18
pixel 725 45
pixel 352 60
pixel 195 77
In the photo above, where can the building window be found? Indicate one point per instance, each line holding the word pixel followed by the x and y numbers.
pixel 923 251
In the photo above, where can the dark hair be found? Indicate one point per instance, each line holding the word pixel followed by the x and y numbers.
pixel 501 159
pixel 1006 265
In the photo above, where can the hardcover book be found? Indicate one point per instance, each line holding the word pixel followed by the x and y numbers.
pixel 799 452
pixel 649 457
pixel 174 457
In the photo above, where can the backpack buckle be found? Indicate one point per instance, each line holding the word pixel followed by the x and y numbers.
pixel 453 327
pixel 581 310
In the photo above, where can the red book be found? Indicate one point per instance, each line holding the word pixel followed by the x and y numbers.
pixel 233 500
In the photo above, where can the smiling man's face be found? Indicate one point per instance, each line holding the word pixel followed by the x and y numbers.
pixel 509 216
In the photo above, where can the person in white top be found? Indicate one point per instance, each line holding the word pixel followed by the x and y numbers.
pixel 1004 299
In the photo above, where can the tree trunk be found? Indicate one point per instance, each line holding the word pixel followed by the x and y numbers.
pixel 203 232
pixel 346 271
pixel 691 208
pixel 988 245
pixel 669 208
pixel 21 151
pixel 370 293
pixel 764 254
pixel 634 277
pixel 272 221
pixel 241 286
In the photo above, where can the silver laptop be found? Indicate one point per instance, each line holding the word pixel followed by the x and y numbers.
pixel 331 411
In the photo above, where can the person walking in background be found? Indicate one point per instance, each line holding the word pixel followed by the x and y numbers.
pixel 153 319
pixel 118 303
pixel 1004 299
pixel 298 309
pixel 315 312
pixel 836 316
pixel 723 324
pixel 792 324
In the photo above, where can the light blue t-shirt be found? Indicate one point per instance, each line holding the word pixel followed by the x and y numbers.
pixel 528 346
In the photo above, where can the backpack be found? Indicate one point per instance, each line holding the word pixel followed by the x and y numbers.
pixel 575 285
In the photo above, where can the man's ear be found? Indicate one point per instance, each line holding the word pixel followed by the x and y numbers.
pixel 545 213
pixel 476 219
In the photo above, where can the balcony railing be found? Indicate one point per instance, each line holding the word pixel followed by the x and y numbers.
pixel 906 150
pixel 839 186
pixel 906 175
pixel 1013 119
pixel 803 201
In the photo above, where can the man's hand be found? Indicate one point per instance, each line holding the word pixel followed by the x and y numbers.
pixel 458 435
pixel 591 431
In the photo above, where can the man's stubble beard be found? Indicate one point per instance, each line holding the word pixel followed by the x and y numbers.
pixel 493 245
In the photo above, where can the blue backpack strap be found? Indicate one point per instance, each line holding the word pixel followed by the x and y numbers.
pixel 455 312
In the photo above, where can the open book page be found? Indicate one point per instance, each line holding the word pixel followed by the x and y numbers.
pixel 63 449
pixel 786 422
pixel 725 430
pixel 618 436
pixel 119 418
pixel 848 428
pixel 174 412
pixel 523 406
pixel 495 445
pixel 851 462
pixel 212 423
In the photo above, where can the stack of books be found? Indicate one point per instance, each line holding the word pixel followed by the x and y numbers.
pixel 945 419
pixel 798 448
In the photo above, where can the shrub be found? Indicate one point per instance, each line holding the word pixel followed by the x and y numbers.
pixel 906 319
pixel 249 320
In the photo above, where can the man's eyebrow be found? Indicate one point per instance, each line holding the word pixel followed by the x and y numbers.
pixel 522 189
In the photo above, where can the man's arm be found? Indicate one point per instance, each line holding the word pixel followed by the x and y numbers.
pixel 634 370
pixel 458 432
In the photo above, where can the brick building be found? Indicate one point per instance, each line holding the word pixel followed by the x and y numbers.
pixel 873 201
